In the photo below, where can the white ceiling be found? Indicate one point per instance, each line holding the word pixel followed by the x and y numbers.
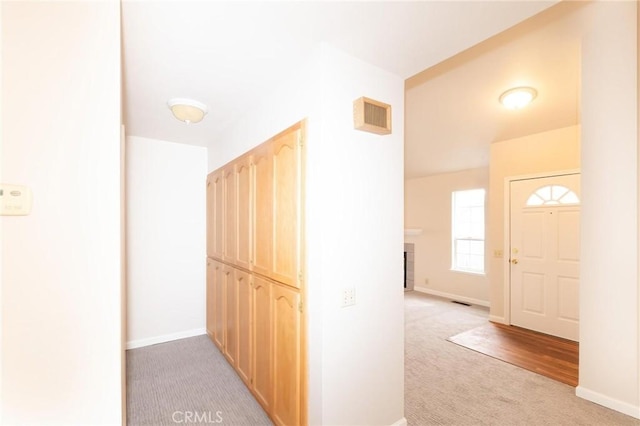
pixel 229 53
pixel 452 109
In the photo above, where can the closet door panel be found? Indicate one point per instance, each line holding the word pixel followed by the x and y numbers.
pixel 210 215
pixel 218 316
pixel 285 208
pixel 230 206
pixel 243 285
pixel 262 209
pixel 262 347
pixel 218 215
pixel 231 315
pixel 286 355
pixel 210 296
pixel 243 212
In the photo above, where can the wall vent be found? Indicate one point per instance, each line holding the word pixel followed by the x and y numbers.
pixel 372 116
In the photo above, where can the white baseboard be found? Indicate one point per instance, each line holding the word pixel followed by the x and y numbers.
pixel 499 320
pixel 401 422
pixel 452 296
pixel 605 401
pixel 133 344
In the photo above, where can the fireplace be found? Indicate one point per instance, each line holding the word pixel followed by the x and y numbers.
pixel 405 269
pixel 408 266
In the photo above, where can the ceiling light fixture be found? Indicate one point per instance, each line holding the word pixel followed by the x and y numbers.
pixel 518 97
pixel 187 110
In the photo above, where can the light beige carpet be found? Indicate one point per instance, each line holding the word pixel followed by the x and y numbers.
pixel 187 382
pixel 446 384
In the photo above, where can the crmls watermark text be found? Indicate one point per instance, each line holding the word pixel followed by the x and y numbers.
pixel 197 417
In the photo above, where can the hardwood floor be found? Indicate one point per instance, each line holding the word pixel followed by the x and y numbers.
pixel 549 356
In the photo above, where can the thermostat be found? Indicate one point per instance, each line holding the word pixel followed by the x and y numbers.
pixel 15 200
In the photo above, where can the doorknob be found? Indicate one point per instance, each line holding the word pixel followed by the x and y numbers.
pixel 514 261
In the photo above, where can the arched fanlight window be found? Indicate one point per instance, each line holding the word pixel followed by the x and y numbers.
pixel 552 195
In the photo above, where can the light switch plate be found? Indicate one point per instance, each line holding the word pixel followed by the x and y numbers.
pixel 348 297
pixel 15 200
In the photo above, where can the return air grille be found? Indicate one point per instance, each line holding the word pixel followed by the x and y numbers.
pixel 372 116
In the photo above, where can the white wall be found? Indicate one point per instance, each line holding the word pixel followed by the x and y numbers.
pixel 428 207
pixel 609 358
pixel 355 189
pixel 166 234
pixel 61 266
pixel 354 233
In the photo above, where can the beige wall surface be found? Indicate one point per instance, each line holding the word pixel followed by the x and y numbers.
pixel 609 359
pixel 161 256
pixel 428 207
pixel 61 265
pixel 551 151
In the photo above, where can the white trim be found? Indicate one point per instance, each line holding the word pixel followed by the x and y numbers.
pixel 606 401
pixel 401 422
pixel 506 270
pixel 452 296
pixel 133 344
pixel 497 319
pixel 461 271
pixel 543 175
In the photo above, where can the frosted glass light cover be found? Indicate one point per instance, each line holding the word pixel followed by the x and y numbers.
pixel 187 110
pixel 518 97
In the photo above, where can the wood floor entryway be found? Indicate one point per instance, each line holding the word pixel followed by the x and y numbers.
pixel 547 355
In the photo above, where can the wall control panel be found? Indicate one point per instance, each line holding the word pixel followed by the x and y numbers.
pixel 15 200
pixel 348 297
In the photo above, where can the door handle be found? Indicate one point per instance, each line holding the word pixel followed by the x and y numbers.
pixel 514 261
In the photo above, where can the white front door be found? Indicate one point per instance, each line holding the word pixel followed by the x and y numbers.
pixel 545 254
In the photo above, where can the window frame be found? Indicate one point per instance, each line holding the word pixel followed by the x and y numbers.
pixel 456 238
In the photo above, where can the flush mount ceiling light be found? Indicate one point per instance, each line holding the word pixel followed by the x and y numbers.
pixel 518 97
pixel 187 110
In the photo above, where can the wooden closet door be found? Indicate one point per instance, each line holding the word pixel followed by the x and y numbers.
pixel 231 315
pixel 218 313
pixel 286 208
pixel 217 236
pixel 262 348
pixel 230 208
pixel 243 285
pixel 210 296
pixel 243 212
pixel 286 355
pixel 262 209
pixel 210 215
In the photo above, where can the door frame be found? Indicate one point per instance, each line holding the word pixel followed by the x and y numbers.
pixel 506 243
